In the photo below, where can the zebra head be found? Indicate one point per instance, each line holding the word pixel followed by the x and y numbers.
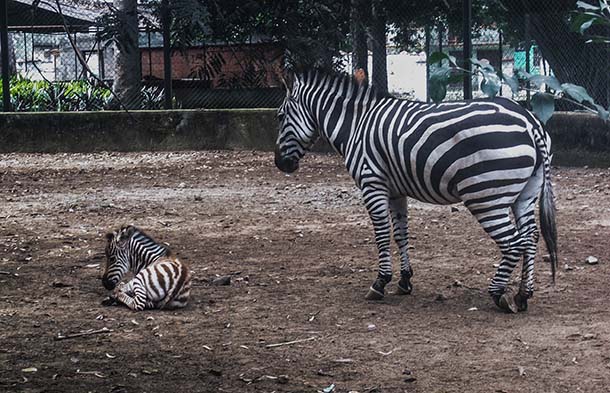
pixel 298 131
pixel 117 256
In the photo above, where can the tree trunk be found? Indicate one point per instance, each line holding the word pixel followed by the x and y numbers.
pixel 570 58
pixel 128 69
pixel 378 38
pixel 12 62
pixel 359 12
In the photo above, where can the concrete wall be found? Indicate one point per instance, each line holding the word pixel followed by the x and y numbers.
pixel 578 139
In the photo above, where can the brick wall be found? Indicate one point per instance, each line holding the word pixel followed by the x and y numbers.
pixel 238 59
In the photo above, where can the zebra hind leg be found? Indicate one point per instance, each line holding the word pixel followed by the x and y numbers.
pixel 525 217
pixel 376 203
pixel 499 226
pixel 398 208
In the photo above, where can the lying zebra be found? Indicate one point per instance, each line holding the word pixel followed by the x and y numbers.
pixel 492 155
pixel 160 280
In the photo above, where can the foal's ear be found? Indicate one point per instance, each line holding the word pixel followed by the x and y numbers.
pixel 285 77
pixel 360 76
pixel 110 236
pixel 124 235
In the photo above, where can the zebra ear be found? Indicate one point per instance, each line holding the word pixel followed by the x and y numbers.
pixel 287 83
pixel 124 235
pixel 109 236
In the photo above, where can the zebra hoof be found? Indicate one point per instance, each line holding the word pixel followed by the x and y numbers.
pixel 521 301
pixel 109 301
pixel 374 294
pixel 403 288
pixel 507 303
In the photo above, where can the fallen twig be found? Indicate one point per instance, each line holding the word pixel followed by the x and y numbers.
pixel 96 373
pixel 290 342
pixel 86 333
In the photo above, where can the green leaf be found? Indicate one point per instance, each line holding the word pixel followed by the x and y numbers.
pixel 441 74
pixel 483 64
pixel 583 27
pixel 491 84
pixel 578 93
pixel 602 112
pixel 548 80
pixel 438 90
pixel 456 78
pixel 586 6
pixel 438 57
pixel 512 82
pixel 543 105
pixel 598 39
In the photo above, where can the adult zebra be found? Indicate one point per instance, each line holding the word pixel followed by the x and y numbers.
pixel 491 154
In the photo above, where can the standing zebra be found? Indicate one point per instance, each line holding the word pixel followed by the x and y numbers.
pixel 160 280
pixel 491 154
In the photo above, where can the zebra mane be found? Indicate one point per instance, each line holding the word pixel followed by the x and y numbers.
pixel 132 230
pixel 316 75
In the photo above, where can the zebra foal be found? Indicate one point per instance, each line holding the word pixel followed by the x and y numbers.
pixel 492 155
pixel 160 280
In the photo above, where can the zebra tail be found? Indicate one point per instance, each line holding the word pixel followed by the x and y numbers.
pixel 547 215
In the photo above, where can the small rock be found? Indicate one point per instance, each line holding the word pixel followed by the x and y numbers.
pixel 454 209
pixel 591 260
pixel 182 185
pixel 473 309
pixel 546 258
pixel 215 372
pixel 58 284
pixel 440 298
pixel 567 267
pixel 410 379
pixel 458 283
pixel 223 280
pixel 371 327
pixel 283 379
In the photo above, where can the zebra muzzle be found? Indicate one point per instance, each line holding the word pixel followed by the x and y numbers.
pixel 286 164
pixel 109 284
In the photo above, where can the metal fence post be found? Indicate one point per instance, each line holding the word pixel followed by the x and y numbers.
pixel 501 57
pixel 528 45
pixel 6 92
pixel 467 48
pixel 427 49
pixel 167 53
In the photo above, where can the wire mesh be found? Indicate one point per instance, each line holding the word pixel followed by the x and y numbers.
pixel 52 57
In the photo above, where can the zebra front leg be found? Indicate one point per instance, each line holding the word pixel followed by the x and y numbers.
pixel 131 295
pixel 376 203
pixel 398 208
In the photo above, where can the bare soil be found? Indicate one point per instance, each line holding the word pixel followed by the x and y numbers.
pixel 300 253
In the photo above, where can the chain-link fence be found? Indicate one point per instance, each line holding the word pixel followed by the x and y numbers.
pixel 65 55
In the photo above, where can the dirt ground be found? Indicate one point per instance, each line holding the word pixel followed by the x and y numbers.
pixel 300 253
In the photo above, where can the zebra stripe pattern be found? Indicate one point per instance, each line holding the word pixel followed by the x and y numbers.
pixel 160 280
pixel 492 155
